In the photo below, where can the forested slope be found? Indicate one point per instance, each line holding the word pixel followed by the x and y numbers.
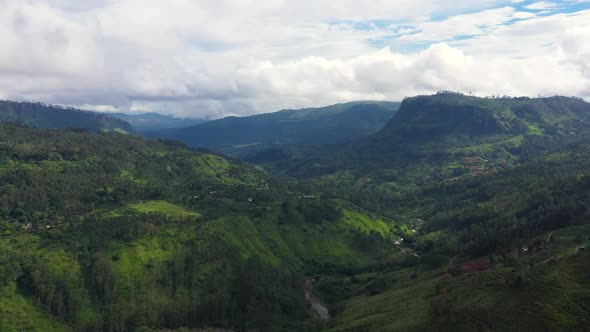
pixel 245 136
pixel 39 115
pixel 111 232
pixel 461 214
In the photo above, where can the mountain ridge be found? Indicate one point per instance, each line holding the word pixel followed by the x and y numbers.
pixel 152 121
pixel 427 134
pixel 315 126
pixel 473 116
pixel 44 116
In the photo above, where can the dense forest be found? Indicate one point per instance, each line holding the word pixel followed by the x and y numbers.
pixel 463 213
pixel 111 232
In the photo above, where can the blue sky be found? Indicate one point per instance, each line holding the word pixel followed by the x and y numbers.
pixel 536 9
pixel 212 58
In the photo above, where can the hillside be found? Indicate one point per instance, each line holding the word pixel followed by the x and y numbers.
pixel 287 128
pixel 148 122
pixel 476 219
pixel 498 252
pixel 495 193
pixel 112 232
pixel 38 115
pixel 446 115
pixel 445 136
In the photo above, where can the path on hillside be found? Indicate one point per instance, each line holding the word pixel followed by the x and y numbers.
pixel 314 301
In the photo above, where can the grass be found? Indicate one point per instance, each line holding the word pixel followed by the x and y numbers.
pixel 242 233
pixel 211 165
pixel 294 244
pixel 493 148
pixel 169 209
pixel 365 224
pixel 403 308
pixel 133 262
pixel 323 245
pixel 221 170
pixel 19 314
pixel 166 208
pixel 333 243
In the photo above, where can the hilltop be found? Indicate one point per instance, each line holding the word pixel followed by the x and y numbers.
pixel 446 115
pixel 447 135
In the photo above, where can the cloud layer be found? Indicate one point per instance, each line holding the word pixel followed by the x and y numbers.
pixel 215 58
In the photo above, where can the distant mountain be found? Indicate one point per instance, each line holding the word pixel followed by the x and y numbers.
pixel 43 116
pixel 447 115
pixel 154 121
pixel 288 128
pixel 441 137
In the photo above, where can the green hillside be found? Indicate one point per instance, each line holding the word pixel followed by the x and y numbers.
pixel 500 252
pixel 495 193
pixel 39 115
pixel 442 138
pixel 245 136
pixel 112 232
pixel 461 214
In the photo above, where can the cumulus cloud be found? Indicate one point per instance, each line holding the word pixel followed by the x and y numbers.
pixel 215 58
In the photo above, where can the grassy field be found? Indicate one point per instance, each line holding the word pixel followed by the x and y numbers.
pixel 169 209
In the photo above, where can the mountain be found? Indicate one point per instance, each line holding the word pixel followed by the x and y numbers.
pixel 447 135
pixel 446 115
pixel 495 194
pixel 287 128
pixel 55 117
pixel 148 122
pixel 462 214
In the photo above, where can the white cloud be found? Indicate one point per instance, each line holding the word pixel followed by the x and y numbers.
pixel 213 58
pixel 543 5
pixel 479 23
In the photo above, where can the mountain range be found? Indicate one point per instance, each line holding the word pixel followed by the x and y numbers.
pixel 456 213
pixel 288 128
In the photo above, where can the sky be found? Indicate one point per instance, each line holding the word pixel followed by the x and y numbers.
pixel 214 58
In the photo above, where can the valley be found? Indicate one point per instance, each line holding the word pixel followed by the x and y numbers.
pixel 294 166
pixel 462 213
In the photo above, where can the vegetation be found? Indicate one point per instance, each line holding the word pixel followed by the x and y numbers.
pixel 441 138
pixel 274 135
pixel 461 214
pixel 111 232
pixel 39 115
